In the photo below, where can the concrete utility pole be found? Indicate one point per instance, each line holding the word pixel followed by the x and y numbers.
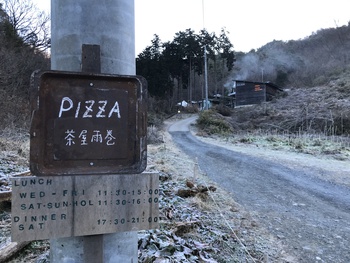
pixel 109 24
pixel 206 106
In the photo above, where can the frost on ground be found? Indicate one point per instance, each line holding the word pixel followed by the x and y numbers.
pixel 330 155
pixel 201 226
pixel 199 221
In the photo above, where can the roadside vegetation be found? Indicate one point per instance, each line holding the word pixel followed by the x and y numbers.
pixel 314 122
pixel 212 122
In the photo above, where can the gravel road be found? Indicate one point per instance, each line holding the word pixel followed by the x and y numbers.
pixel 309 215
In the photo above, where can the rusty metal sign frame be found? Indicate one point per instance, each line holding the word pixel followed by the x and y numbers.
pixel 59 103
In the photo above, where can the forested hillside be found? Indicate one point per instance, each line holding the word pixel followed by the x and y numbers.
pixel 312 61
pixel 315 74
pixel 24 39
pixel 175 69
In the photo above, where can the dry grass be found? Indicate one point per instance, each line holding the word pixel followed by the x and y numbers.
pixel 319 110
pixel 237 235
pixel 14 146
pixel 337 147
pixel 211 122
pixel 308 120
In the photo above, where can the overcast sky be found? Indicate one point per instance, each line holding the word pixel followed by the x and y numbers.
pixel 251 23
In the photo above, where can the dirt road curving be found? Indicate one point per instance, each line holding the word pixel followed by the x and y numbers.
pixel 290 198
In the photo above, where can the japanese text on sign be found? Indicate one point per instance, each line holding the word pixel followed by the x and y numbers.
pixel 97 136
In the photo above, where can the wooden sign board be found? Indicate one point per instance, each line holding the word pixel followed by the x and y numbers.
pixel 85 123
pixel 48 207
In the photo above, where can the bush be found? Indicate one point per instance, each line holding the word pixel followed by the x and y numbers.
pixel 223 110
pixel 154 119
pixel 189 109
pixel 154 135
pixel 213 123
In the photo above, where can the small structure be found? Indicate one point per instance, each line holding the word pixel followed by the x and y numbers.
pixel 253 92
pixel 182 104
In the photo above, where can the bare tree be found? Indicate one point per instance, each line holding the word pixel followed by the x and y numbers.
pixel 30 24
pixel 24 37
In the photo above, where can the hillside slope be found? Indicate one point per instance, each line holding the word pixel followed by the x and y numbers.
pixel 311 120
pixel 311 61
pixel 318 110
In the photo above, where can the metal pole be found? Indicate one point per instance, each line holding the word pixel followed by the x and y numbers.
pixel 206 106
pixel 206 79
pixel 110 25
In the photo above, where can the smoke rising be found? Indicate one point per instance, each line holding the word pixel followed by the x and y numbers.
pixel 272 63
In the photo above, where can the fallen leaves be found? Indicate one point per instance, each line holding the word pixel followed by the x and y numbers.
pixel 194 190
pixel 198 221
pixel 180 238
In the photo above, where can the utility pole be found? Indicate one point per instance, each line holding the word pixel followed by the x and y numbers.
pixel 206 106
pixel 110 25
pixel 206 79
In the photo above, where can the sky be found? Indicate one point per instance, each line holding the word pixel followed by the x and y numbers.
pixel 250 23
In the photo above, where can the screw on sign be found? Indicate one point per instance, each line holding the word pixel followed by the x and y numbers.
pixel 89 124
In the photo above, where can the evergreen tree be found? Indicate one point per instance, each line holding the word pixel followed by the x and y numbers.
pixel 172 67
pixel 151 65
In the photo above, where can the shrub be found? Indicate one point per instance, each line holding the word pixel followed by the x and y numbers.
pixel 223 110
pixel 213 123
pixel 154 135
pixel 154 119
